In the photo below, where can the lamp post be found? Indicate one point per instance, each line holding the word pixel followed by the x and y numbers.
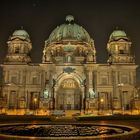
pixel 102 104
pixel 35 101
pixel 121 96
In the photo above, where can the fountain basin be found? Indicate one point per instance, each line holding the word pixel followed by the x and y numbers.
pixel 79 131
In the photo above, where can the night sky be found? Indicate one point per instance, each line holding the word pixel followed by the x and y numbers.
pixel 98 17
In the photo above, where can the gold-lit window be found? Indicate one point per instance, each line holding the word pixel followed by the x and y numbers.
pixel 16 50
pixel 124 79
pixel 13 79
pixel 121 51
pixel 12 101
pixel 104 80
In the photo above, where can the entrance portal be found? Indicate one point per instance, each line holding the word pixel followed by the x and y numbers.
pixel 68 96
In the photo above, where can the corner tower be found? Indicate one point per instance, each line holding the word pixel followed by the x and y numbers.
pixel 19 46
pixel 119 48
pixel 122 64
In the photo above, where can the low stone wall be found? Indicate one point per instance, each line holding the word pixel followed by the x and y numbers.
pixel 114 117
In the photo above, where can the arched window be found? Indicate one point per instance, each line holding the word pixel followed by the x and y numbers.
pixel 16 50
pixel 68 59
pixel 46 94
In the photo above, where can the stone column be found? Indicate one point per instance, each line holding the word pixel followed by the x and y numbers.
pixel 20 77
pixel 6 75
pixel 82 97
pixel 116 82
pixel 27 99
pixel 54 103
pixel 131 79
pixel 90 79
pixel 8 96
pixel 89 82
pixel 95 82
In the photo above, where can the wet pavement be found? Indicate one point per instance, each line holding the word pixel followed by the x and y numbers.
pixel 133 123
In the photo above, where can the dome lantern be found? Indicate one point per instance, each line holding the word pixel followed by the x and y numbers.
pixel 21 34
pixel 69 18
pixel 118 34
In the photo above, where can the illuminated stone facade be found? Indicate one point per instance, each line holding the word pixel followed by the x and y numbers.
pixel 69 78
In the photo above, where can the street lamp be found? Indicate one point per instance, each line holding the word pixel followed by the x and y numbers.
pixel 35 102
pixel 102 104
pixel 102 100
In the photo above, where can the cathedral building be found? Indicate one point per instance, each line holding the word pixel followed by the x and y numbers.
pixel 69 77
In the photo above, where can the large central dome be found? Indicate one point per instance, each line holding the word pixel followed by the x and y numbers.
pixel 69 31
pixel 69 43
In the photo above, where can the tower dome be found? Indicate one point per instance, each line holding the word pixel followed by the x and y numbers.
pixel 69 31
pixel 118 34
pixel 21 34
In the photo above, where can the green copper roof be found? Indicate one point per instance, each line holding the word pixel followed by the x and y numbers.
pixel 117 34
pixel 21 33
pixel 69 31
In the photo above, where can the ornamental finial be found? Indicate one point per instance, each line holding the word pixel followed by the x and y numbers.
pixel 69 18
